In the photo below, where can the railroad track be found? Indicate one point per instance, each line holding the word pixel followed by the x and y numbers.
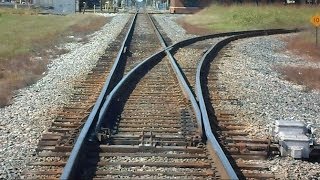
pixel 247 155
pixel 153 133
pixel 149 126
pixel 147 129
pixel 232 137
pixel 56 143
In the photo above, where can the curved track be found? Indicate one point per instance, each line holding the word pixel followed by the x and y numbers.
pixel 154 133
pixel 146 122
pixel 146 117
pixel 234 141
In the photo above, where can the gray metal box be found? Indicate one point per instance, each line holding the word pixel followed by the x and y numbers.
pixel 290 127
pixel 296 146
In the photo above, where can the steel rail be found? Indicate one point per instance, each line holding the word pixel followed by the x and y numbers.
pixel 207 57
pixel 182 81
pixel 192 40
pixel 136 70
pixel 71 165
pixel 68 169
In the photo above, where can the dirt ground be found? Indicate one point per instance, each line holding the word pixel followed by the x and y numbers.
pixel 307 76
pixel 191 29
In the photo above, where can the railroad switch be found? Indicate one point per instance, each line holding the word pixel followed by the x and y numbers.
pixel 195 141
pixel 295 138
pixel 104 134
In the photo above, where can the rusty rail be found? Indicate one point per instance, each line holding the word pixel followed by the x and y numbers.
pixel 207 58
pixel 96 117
pixel 68 170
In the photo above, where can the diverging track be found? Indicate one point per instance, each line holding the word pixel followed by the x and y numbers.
pixel 146 123
pixel 151 132
pixel 151 115
pixel 242 151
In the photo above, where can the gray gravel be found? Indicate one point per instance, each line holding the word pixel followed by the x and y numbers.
pixel 171 28
pixel 32 110
pixel 264 96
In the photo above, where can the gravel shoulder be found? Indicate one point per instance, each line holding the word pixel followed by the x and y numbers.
pixel 33 108
pixel 172 28
pixel 249 68
pixel 249 74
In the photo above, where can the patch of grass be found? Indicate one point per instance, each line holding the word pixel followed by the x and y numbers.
pixel 303 45
pixel 309 77
pixel 22 34
pixel 19 11
pixel 25 35
pixel 231 18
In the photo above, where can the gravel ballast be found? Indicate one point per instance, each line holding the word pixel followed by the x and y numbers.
pixel 171 28
pixel 249 74
pixel 265 95
pixel 33 108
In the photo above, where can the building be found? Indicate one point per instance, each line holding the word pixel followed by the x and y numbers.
pixel 57 6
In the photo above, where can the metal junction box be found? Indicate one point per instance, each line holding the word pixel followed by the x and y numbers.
pixel 290 127
pixel 296 146
pixel 294 138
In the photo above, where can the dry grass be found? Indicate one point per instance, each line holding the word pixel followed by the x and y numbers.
pixel 19 11
pixel 88 25
pixel 309 77
pixel 244 17
pixel 17 73
pixel 25 36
